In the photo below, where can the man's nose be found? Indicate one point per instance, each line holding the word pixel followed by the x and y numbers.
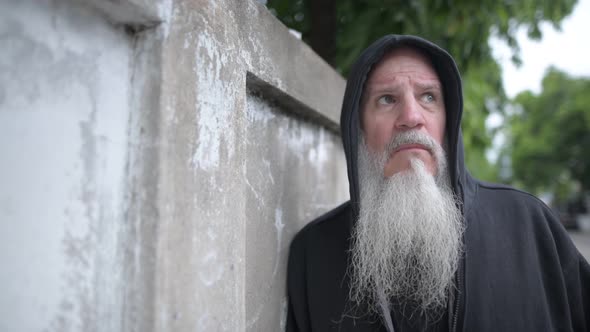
pixel 410 114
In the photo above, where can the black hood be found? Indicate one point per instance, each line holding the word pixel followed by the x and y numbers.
pixel 451 81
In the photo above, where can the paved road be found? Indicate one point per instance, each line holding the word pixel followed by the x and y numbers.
pixel 582 241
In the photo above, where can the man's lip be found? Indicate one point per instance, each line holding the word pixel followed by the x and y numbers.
pixel 410 146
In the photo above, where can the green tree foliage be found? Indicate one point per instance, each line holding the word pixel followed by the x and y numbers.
pixel 549 136
pixel 340 30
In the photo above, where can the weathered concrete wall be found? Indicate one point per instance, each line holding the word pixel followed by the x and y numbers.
pixel 291 179
pixel 64 113
pixel 158 157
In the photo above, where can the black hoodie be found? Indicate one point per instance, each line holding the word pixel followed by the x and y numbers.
pixel 519 272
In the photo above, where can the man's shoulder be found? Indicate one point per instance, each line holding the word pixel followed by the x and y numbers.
pixel 523 215
pixel 526 219
pixel 505 194
pixel 511 207
pixel 333 224
pixel 338 214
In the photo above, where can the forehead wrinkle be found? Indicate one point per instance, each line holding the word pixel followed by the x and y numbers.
pixel 390 83
pixel 386 74
pixel 404 61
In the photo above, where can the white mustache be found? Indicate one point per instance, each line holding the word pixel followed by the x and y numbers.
pixel 411 137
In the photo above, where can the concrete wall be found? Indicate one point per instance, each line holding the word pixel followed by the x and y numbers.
pixel 157 158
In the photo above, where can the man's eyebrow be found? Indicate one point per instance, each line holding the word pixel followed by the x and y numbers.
pixel 377 88
pixel 429 85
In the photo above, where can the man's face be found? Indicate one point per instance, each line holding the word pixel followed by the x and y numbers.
pixel 403 93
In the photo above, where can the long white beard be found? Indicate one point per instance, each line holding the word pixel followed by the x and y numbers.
pixel 407 240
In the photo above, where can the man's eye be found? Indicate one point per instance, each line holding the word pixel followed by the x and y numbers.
pixel 386 100
pixel 428 97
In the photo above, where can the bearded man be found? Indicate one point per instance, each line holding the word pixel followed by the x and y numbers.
pixel 422 245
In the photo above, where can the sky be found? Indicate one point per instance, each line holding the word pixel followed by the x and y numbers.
pixel 568 50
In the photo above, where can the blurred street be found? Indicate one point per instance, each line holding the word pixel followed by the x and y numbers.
pixel 582 241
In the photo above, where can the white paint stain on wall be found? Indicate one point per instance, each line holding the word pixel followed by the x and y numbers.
pixel 210 268
pixel 284 310
pixel 279 226
pixel 165 12
pixel 258 112
pixel 206 322
pixel 213 104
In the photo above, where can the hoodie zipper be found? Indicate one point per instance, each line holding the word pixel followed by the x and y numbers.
pixel 458 299
pixel 459 273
